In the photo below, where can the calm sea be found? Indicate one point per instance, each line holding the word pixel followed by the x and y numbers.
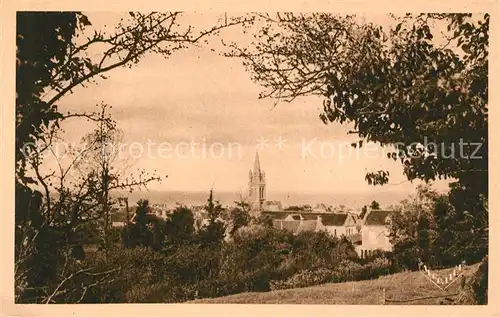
pixel 350 200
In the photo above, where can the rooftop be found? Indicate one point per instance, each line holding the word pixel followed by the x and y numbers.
pixel 376 217
pixel 333 219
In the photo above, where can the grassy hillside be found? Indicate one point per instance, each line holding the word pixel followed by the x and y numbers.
pixel 401 286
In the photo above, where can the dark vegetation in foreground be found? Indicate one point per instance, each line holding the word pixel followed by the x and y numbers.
pixel 158 261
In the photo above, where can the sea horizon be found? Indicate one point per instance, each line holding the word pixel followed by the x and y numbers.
pixel 351 200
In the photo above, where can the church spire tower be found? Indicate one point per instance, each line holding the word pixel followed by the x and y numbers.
pixel 257 185
pixel 256 163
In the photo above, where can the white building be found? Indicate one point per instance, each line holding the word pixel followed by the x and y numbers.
pixel 375 232
pixel 338 224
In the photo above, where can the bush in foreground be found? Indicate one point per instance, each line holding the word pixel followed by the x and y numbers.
pixel 346 271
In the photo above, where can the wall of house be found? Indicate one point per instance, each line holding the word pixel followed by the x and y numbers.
pixel 340 230
pixel 350 226
pixel 350 230
pixel 335 231
pixel 375 238
pixel 290 217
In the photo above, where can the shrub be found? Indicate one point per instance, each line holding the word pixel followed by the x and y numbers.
pixel 474 290
pixel 346 271
pixel 480 284
pixel 135 271
pixel 349 271
pixel 252 259
pixel 376 268
pixel 191 263
pixel 311 250
pixel 305 278
pixel 147 293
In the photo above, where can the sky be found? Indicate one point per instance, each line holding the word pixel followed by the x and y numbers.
pixel 196 95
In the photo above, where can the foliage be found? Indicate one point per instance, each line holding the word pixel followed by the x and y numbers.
pixel 378 267
pixel 34 239
pixel 305 278
pixel 213 233
pixel 146 231
pixel 257 256
pixel 397 86
pixel 344 271
pixel 313 250
pixel 363 212
pixel 474 288
pixel 99 168
pixel 467 221
pixel 243 204
pixel 298 208
pixel 239 217
pixel 37 57
pixel 193 263
pixel 429 228
pixel 374 205
pixel 480 283
pixel 50 63
pixel 179 226
pixel 50 58
pixel 265 220
pixel 136 270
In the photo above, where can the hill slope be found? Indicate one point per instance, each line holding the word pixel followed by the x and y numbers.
pixel 401 286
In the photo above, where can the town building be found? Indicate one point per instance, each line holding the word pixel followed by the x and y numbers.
pixel 375 232
pixel 335 224
pixel 272 205
pixel 296 223
pixel 338 224
pixel 320 208
pixel 256 187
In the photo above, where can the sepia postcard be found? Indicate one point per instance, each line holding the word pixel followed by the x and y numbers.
pixel 294 158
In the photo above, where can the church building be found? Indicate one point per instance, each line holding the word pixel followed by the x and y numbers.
pixel 256 187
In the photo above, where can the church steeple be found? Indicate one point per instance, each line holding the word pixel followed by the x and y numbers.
pixel 257 185
pixel 256 163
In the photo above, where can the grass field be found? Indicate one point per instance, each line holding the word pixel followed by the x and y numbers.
pixel 401 287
